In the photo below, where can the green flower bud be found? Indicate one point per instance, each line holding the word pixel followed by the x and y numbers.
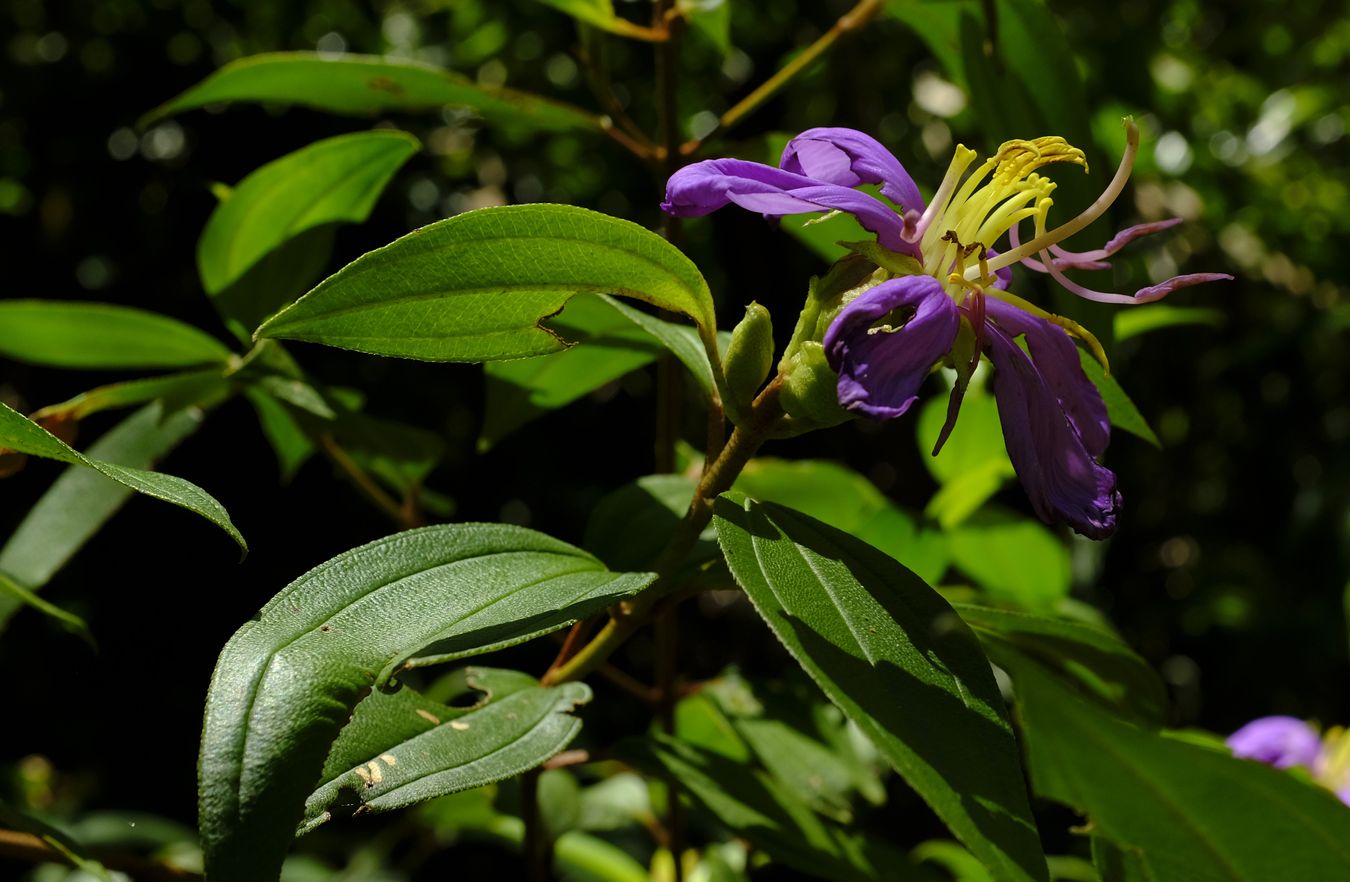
pixel 748 360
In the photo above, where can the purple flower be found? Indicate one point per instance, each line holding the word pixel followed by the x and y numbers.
pixel 1277 741
pixel 885 341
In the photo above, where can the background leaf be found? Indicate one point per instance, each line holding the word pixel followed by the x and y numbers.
pixel 331 181
pixel 897 660
pixel 1012 558
pixel 1187 812
pixel 17 432
pixel 475 287
pixel 973 464
pixel 287 681
pixel 82 500
pixel 101 336
pixel 365 85
pixel 1119 408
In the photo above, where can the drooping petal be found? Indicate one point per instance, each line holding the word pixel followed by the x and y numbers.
pixel 1062 479
pixel 1095 259
pixel 1278 741
pixel 885 342
pixel 848 157
pixel 1056 356
pixel 704 187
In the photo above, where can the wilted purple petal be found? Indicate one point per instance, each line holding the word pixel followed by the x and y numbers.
pixel 704 187
pixel 1278 741
pixel 848 157
pixel 880 370
pixel 1162 289
pixel 1059 475
pixel 1056 356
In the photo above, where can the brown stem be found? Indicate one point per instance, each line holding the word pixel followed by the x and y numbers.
pixel 855 19
pixel 538 845
pixel 26 847
pixel 406 515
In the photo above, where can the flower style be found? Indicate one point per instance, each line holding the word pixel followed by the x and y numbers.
pixel 946 298
pixel 1285 742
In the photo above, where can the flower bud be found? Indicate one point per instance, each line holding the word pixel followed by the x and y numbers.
pixel 810 395
pixel 748 360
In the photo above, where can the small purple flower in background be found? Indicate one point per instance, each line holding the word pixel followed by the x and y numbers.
pixel 1286 742
pixel 949 294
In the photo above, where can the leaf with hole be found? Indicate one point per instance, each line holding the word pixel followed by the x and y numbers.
pixel 478 286
pixel 403 747
pixel 287 681
pixel 899 662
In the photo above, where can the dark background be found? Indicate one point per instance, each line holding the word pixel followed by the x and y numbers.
pixel 1229 567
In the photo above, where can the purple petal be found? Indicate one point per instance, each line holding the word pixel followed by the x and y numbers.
pixel 1162 289
pixel 704 187
pixel 1095 259
pixel 1056 356
pixel 1278 741
pixel 848 158
pixel 1344 795
pixel 1059 475
pixel 880 372
pixel 1002 274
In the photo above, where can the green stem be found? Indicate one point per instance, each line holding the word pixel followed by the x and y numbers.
pixel 718 477
pixel 853 20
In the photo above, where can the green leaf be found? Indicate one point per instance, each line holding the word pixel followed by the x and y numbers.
pixel 402 748
pixel 1090 656
pixel 288 680
pixel 13 592
pixel 56 840
pixel 175 390
pixel 279 278
pixel 897 660
pixel 331 181
pixel 19 433
pixel 1186 812
pixel 629 527
pixel 973 465
pixel 1156 316
pixel 283 432
pixel 837 495
pixel 366 85
pixel 683 341
pixel 1012 558
pixel 608 346
pixel 754 805
pixel 711 18
pixel 100 336
pixel 81 501
pixel 477 287
pixel 600 14
pixel 1119 408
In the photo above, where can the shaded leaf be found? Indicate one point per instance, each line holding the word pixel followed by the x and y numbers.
pixel 288 680
pixel 366 85
pixel 1119 408
pixel 477 286
pixel 1087 654
pixel 176 391
pixel 608 346
pixel 682 341
pixel 899 662
pixel 331 181
pixel 101 336
pixel 629 527
pixel 754 805
pixel 1186 812
pixel 402 748
pixel 1157 316
pixel 82 500
pixel 16 593
pixel 17 432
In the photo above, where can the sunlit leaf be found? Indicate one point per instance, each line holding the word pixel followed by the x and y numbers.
pixel 101 336
pixel 1119 408
pixel 288 680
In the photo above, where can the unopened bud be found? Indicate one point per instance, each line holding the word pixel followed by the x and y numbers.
pixel 810 393
pixel 749 358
